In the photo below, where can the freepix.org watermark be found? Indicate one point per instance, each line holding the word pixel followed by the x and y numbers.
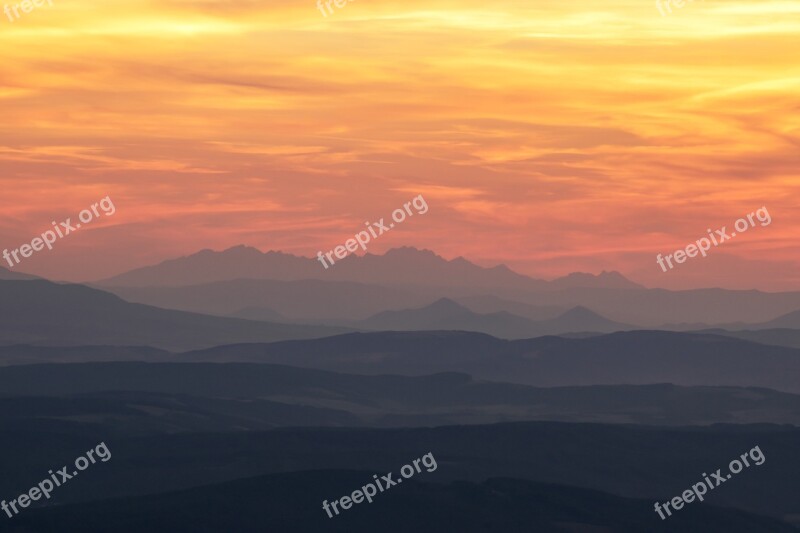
pixel 338 3
pixel 363 237
pixel 45 487
pixel 698 490
pixel 703 245
pixel 26 5
pixel 60 230
pixel 370 489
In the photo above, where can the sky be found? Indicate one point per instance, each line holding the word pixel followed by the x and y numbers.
pixel 549 136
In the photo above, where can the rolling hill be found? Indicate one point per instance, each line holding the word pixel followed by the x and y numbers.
pixel 446 314
pixel 633 358
pixel 244 396
pixel 44 313
pixel 292 503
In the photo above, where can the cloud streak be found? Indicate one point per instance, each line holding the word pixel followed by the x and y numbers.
pixel 563 136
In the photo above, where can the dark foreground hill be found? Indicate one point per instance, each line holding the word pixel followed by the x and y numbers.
pixel 292 503
pixel 629 461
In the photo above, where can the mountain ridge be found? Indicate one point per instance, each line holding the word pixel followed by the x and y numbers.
pixel 393 267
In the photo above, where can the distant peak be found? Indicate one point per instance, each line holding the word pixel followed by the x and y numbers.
pixel 409 251
pixel 406 250
pixel 239 249
pixel 602 274
pixel 606 278
pixel 573 275
pixel 242 249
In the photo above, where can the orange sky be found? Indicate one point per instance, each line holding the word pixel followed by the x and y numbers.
pixel 550 136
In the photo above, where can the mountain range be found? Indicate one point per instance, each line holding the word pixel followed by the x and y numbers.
pixel 246 283
pixel 398 266
pixel 235 385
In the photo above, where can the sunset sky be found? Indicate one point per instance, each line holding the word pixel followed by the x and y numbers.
pixel 552 136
